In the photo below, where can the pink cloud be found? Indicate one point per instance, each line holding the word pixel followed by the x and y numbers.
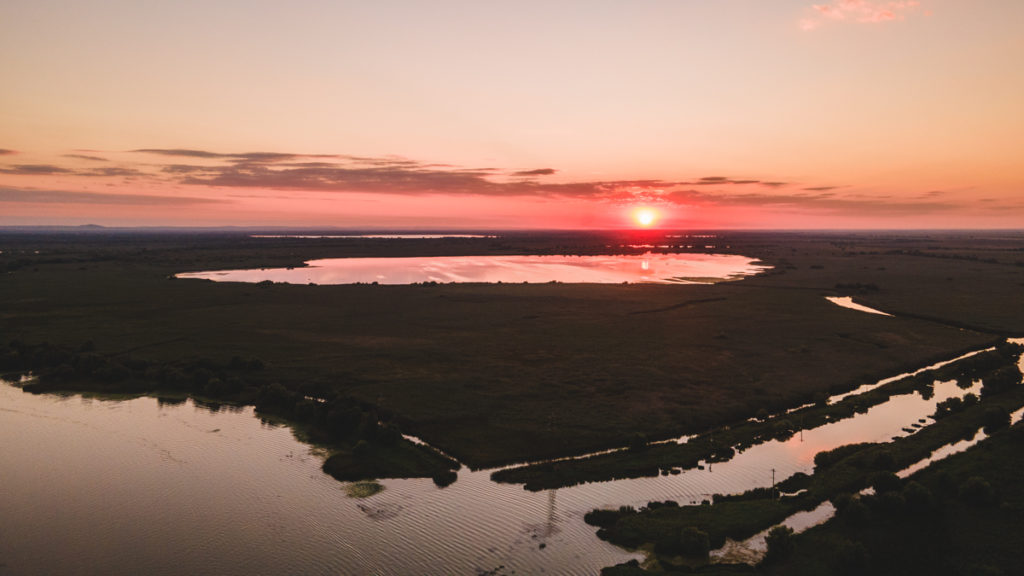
pixel 864 11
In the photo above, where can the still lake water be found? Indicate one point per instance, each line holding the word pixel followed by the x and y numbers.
pixel 138 486
pixel 658 268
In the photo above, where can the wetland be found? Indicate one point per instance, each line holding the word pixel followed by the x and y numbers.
pixel 497 374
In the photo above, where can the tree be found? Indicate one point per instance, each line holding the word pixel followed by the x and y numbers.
pixel 361 449
pixel 995 418
pixel 694 542
pixel 917 496
pixel 445 478
pixel 977 492
pixel 885 482
pixel 780 544
pixel 850 558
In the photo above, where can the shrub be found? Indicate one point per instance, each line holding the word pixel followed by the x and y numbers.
pixel 825 459
pixel 995 418
pixel 694 542
pixel 389 434
pixel 783 429
pixel 368 426
pixel 343 419
pixel 891 502
pixel 947 407
pixel 797 481
pixel 306 410
pixel 443 479
pixel 856 513
pixel 850 558
pixel 780 544
pixel 917 496
pixel 977 492
pixel 601 517
pixel 1000 380
pixel 885 482
pixel 605 518
pixel 361 449
pixel 840 501
pixel 273 398
pixel 883 460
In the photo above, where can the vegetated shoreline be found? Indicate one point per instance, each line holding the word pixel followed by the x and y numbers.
pixel 643 458
pixel 361 445
pixel 838 473
pixel 364 444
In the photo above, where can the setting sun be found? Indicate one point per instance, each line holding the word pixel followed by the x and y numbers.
pixel 645 216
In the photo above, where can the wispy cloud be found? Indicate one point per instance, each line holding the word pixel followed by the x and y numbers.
pixel 34 170
pixel 224 176
pixel 5 152
pixel 724 181
pixel 862 11
pixel 86 157
pixel 244 157
pixel 827 202
pixel 537 172
pixel 70 197
pixel 111 171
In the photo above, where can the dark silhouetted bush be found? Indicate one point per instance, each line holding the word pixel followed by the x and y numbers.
pixel 780 544
pixel 856 513
pixel 605 518
pixel 995 418
pixel 443 479
pixel 343 419
pixel 273 398
pixel 885 482
pixel 826 459
pixel 694 542
pixel 850 558
pixel 883 460
pixel 891 503
pixel 362 449
pixel 918 497
pixel 976 491
pixel 1000 380
pixel 947 407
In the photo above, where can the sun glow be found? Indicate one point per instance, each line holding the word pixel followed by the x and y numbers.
pixel 645 217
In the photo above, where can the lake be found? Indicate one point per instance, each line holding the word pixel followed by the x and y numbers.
pixel 615 269
pixel 144 486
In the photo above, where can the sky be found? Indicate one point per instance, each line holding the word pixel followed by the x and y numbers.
pixel 470 114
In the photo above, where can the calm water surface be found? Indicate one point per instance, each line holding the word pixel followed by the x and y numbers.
pixel 136 486
pixel 659 268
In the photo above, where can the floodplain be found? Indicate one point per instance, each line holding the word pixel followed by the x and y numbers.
pixel 497 374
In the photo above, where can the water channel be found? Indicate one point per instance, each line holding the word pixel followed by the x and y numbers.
pixel 143 486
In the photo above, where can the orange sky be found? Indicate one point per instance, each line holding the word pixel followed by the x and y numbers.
pixel 464 114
